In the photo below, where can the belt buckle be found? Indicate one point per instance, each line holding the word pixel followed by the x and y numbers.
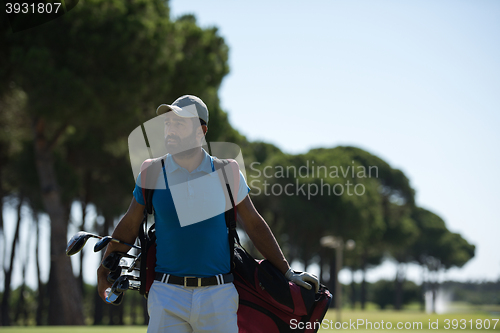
pixel 191 277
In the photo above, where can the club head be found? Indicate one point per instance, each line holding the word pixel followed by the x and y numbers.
pixel 102 243
pixel 112 262
pixel 121 284
pixel 114 297
pixel 77 242
pixel 112 276
pixel 115 294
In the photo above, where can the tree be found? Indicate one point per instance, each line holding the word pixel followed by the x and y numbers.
pixel 382 212
pixel 437 248
pixel 384 293
pixel 99 68
pixel 320 204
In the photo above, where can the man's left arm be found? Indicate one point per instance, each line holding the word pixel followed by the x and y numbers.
pixel 260 234
pixel 262 237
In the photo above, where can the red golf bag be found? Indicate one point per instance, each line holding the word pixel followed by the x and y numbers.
pixel 269 303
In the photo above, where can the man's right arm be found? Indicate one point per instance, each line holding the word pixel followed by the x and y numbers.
pixel 127 230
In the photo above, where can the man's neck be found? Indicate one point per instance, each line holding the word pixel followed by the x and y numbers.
pixel 189 160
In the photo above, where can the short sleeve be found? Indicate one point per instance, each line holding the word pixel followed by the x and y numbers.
pixel 138 192
pixel 243 190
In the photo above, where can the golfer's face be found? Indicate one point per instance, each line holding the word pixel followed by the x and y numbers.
pixel 180 134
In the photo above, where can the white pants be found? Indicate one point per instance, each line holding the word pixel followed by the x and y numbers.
pixel 178 309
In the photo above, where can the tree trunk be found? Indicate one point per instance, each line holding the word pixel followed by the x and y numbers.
pixel 363 282
pixel 321 263
pixel 398 295
pixel 41 287
pixel 21 311
pixel 434 294
pixel 8 272
pixel 21 303
pixel 307 263
pixel 84 202
pixel 353 290
pixel 63 284
pixel 333 279
pixel 435 288
pixel 98 309
pixel 4 245
pixel 423 290
pixel 98 302
pixel 55 315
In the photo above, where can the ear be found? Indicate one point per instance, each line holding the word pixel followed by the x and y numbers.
pixel 201 131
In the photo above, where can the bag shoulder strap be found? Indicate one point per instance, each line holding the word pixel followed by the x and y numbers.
pixel 229 176
pixel 150 170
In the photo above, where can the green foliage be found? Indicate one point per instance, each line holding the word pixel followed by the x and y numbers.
pixel 437 247
pixel 23 315
pixel 259 151
pixel 455 251
pixel 87 80
pixel 335 209
pixel 99 71
pixel 384 293
pixel 19 175
pixel 481 292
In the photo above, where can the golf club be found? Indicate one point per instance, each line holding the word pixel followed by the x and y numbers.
pixel 120 285
pixel 112 276
pixel 134 263
pixel 114 297
pixel 77 242
pixel 116 264
pixel 106 240
pixel 112 261
pixel 115 260
pixel 109 261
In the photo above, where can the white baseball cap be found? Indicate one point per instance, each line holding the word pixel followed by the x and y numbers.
pixel 187 106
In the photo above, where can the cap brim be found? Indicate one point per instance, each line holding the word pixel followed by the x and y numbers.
pixel 184 112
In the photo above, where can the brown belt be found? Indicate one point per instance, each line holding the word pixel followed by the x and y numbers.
pixel 192 281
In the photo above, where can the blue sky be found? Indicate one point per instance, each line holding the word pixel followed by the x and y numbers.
pixel 414 82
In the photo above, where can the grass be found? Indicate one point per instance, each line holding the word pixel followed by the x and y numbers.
pixel 417 320
pixel 347 317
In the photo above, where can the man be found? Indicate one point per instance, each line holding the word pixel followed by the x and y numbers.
pixel 192 240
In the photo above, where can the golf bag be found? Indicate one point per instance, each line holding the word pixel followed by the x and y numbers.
pixel 268 302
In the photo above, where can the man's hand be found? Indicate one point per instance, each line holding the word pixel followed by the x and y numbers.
pixel 301 278
pixel 126 230
pixel 102 282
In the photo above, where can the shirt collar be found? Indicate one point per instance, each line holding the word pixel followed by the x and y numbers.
pixel 206 164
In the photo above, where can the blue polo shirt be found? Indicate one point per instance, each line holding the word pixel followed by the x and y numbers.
pixel 191 233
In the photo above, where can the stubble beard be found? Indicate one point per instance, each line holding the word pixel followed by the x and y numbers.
pixel 184 148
